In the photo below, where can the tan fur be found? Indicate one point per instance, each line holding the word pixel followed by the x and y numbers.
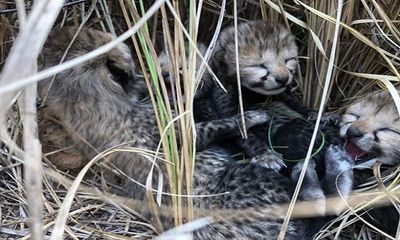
pixel 56 137
pixel 93 107
pixel 377 121
pixel 57 146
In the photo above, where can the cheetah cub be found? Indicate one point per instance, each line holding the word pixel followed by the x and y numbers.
pixel 267 57
pixel 372 127
pixel 267 62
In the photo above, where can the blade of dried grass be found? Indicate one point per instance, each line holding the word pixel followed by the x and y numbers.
pixel 379 77
pixel 263 10
pixel 181 57
pixel 187 124
pixel 320 111
pixel 21 11
pixel 394 93
pixel 33 163
pixel 363 21
pixel 239 85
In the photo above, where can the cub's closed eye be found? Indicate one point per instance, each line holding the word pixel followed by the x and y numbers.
pixel 258 66
pixel 289 59
pixel 388 130
pixel 354 115
pixel 349 118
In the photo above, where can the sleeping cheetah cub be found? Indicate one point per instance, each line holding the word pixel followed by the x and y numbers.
pixel 372 127
pixel 267 63
pixel 267 57
pixel 95 102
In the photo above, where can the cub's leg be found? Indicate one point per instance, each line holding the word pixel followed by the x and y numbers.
pixel 210 131
pixel 311 188
pixel 339 173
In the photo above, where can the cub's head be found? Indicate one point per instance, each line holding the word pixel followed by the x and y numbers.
pixel 108 79
pixel 372 127
pixel 168 71
pixel 267 56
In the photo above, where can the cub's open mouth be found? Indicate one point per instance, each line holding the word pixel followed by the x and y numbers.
pixel 358 154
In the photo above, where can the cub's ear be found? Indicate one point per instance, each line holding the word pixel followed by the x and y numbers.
pixel 219 54
pixel 123 77
pixel 219 61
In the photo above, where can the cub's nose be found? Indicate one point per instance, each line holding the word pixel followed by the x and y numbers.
pixel 282 80
pixel 353 132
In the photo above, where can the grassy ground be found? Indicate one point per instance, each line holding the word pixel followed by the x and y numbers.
pixel 364 58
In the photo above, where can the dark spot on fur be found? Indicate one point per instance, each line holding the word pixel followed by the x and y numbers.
pixel 259 84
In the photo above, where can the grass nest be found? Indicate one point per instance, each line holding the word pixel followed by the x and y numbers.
pixel 366 58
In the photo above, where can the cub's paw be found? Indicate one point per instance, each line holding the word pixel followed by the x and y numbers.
pixel 269 160
pixel 338 160
pixel 311 188
pixel 296 170
pixel 254 118
pixel 339 176
pixel 331 118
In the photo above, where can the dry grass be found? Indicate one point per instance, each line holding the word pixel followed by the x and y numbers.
pixel 366 57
